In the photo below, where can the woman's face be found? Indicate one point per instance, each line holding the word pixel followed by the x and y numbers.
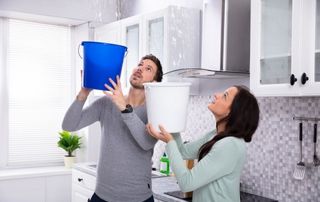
pixel 221 104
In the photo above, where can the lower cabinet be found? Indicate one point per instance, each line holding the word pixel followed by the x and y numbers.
pixel 36 189
pixel 83 186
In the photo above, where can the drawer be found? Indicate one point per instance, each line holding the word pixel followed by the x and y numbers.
pixel 83 179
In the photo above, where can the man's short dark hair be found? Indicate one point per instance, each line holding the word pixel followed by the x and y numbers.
pixel 159 73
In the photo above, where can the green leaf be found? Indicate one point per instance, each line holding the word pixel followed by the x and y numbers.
pixel 69 142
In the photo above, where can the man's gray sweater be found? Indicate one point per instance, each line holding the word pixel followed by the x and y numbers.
pixel 124 167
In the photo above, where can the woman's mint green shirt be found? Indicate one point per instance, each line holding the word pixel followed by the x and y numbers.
pixel 216 178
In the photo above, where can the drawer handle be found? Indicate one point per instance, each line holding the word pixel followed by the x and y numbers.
pixel 80 179
pixel 304 78
pixel 293 79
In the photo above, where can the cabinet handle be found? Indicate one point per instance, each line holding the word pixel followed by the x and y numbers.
pixel 80 179
pixel 304 78
pixel 293 79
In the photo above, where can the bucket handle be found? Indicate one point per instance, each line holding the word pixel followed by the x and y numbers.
pixel 79 51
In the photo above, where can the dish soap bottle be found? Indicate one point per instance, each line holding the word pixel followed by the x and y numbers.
pixel 164 164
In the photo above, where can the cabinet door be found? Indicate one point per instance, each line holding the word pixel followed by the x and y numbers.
pixel 58 184
pixel 83 186
pixel 80 194
pixel 109 33
pixel 317 51
pixel 131 35
pixel 274 46
pixel 310 54
pixel 23 190
pixel 155 36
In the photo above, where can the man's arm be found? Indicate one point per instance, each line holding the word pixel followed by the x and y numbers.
pixel 138 130
pixel 76 117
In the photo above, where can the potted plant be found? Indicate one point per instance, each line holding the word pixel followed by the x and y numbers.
pixel 69 142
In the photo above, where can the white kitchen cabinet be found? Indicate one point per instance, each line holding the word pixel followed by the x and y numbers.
pixel 285 45
pixel 172 34
pixel 24 190
pixel 58 188
pixel 109 33
pixel 83 186
pixel 131 36
pixel 36 189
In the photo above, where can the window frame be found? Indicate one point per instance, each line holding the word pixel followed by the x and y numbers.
pixel 4 92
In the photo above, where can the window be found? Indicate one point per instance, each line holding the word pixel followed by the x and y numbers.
pixel 36 90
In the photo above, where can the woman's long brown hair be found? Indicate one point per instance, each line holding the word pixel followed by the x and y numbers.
pixel 241 122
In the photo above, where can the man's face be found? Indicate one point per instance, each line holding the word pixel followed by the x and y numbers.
pixel 145 72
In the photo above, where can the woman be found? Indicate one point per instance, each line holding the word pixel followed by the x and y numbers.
pixel 221 153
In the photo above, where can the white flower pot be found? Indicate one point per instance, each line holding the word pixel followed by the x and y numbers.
pixel 69 161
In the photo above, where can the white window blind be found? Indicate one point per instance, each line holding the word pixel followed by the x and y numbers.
pixel 39 90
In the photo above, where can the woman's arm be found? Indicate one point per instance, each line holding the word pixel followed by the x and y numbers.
pixel 191 150
pixel 220 161
pixel 188 151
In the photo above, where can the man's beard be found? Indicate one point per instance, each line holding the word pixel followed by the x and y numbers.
pixel 137 86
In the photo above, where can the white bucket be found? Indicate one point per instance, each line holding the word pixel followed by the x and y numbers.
pixel 167 104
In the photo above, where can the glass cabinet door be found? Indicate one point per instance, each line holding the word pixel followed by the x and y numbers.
pixel 317 51
pixel 276 35
pixel 155 44
pixel 132 42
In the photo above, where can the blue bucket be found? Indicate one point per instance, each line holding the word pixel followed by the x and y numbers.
pixel 101 61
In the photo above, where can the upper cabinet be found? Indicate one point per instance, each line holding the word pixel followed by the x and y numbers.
pixel 171 34
pixel 131 36
pixel 285 44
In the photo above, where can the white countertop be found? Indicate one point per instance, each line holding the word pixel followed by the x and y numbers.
pixel 8 174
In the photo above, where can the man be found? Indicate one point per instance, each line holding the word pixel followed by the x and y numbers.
pixel 124 167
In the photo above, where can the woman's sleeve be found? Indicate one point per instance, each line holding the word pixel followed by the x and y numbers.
pixel 220 161
pixel 76 117
pixel 190 150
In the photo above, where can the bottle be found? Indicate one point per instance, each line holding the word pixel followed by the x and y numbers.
pixel 164 164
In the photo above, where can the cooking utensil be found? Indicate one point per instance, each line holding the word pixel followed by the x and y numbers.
pixel 300 168
pixel 316 161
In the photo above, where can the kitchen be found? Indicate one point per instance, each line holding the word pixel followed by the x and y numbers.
pixel 274 152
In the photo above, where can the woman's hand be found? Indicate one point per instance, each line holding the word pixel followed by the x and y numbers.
pixel 163 135
pixel 116 94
